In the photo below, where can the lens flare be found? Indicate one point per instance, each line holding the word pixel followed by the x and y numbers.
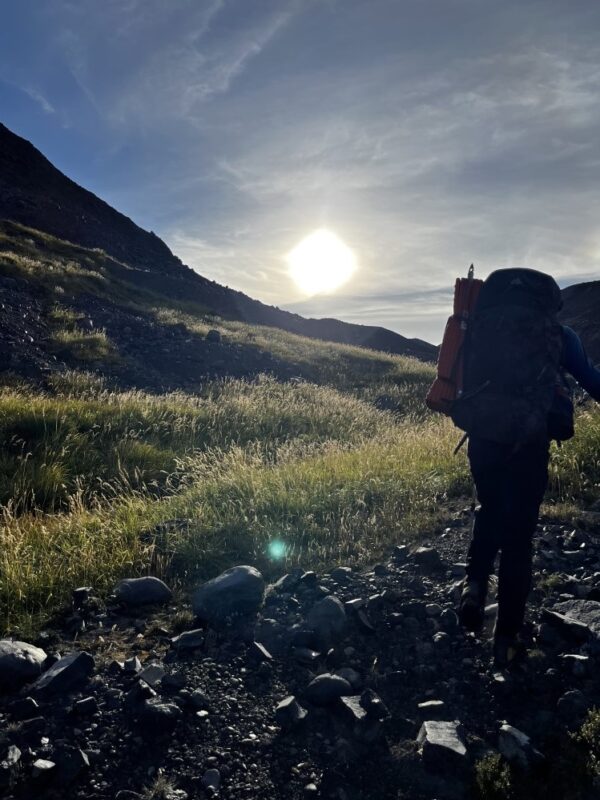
pixel 277 549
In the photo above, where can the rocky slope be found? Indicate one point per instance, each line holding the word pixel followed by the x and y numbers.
pixel 34 193
pixel 149 354
pixel 343 685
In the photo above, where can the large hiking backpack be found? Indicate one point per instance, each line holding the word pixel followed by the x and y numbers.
pixel 512 359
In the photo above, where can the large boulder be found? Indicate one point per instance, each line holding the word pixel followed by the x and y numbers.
pixel 237 592
pixel 20 663
pixel 142 591
pixel 568 627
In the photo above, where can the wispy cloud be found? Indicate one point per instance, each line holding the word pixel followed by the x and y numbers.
pixel 426 135
pixel 39 98
pixel 167 60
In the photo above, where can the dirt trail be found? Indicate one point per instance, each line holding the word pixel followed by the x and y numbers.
pixel 204 720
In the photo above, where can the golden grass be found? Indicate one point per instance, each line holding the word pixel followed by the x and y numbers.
pixel 325 499
pixel 328 502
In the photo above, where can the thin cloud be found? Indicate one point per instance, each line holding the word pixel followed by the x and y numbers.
pixel 39 98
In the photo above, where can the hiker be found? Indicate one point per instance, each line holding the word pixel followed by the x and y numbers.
pixel 511 476
pixel 514 399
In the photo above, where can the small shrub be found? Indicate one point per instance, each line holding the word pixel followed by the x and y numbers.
pixel 84 346
pixel 550 583
pixel 492 778
pixel 589 737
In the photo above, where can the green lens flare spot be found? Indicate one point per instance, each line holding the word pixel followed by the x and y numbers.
pixel 277 549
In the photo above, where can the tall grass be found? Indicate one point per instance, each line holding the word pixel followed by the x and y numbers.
pixel 85 438
pixel 325 474
pixel 329 501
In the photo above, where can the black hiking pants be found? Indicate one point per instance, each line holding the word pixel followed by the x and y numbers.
pixel 510 488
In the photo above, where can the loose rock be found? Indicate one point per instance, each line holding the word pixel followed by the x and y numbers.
pixel 239 591
pixel 289 713
pixel 68 672
pixel 142 591
pixel 441 745
pixel 20 663
pixel 516 746
pixel 327 618
pixel 326 689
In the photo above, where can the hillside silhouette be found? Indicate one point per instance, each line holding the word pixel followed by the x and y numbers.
pixel 36 194
pixel 580 312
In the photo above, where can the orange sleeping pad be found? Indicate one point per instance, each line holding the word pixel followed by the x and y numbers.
pixel 450 367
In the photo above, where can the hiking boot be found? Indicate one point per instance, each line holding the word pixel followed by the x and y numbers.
pixel 472 605
pixel 508 650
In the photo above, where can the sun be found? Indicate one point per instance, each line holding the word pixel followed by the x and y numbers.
pixel 321 263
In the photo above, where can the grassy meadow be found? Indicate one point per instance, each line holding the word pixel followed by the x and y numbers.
pixel 96 484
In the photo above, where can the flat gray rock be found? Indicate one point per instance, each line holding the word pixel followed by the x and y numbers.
pixel 189 640
pixel 586 612
pixel 441 744
pixel 152 674
pixel 42 767
pixel 239 591
pixel 142 591
pixel 20 663
pixel 567 626
pixel 353 708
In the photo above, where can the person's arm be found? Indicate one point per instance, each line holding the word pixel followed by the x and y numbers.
pixel 576 361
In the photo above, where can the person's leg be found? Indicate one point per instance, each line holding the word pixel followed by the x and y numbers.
pixel 488 466
pixel 488 461
pixel 529 477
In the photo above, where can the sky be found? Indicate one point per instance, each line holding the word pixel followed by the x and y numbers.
pixel 426 134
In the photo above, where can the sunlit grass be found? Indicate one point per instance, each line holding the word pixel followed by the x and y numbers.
pixel 325 502
pixel 326 491
pixel 88 439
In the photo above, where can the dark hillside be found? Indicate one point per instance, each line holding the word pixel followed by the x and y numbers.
pixel 34 193
pixel 581 311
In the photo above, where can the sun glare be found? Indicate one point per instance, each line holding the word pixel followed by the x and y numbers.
pixel 321 263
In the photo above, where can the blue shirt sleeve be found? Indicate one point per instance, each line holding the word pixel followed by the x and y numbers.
pixel 577 363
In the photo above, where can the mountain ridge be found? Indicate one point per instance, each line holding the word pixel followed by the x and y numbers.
pixel 35 193
pixel 581 302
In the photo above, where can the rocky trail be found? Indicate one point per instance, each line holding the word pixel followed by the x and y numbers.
pixel 348 684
